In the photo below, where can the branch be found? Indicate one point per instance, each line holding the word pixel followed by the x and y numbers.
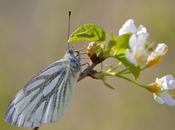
pixel 89 71
pixel 36 128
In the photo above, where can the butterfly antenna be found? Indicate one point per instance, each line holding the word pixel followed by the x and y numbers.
pixel 68 32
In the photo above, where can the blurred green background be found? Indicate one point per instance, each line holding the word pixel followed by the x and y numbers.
pixel 33 34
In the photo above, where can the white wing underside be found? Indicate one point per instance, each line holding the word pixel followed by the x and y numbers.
pixel 45 98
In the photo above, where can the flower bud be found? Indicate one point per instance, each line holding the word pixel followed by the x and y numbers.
pixel 95 51
pixel 157 54
pixel 91 51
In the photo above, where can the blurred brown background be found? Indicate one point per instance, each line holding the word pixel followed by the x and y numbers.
pixel 33 34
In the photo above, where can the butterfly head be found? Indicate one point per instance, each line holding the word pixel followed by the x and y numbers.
pixel 73 54
pixel 74 58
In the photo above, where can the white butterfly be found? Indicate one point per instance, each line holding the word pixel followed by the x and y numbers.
pixel 46 96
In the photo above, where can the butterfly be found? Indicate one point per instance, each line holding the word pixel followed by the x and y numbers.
pixel 46 96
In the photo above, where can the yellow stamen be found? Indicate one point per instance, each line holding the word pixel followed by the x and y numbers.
pixel 154 88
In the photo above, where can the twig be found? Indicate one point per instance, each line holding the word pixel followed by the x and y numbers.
pixel 89 71
pixel 36 128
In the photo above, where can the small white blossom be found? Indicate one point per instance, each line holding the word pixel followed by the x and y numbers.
pixel 166 87
pixel 137 42
pixel 157 54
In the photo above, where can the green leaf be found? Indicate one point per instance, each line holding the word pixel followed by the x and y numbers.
pixel 119 45
pixel 122 43
pixel 135 70
pixel 107 84
pixel 112 43
pixel 88 32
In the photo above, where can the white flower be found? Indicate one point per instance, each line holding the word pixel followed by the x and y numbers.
pixel 137 42
pixel 157 54
pixel 164 92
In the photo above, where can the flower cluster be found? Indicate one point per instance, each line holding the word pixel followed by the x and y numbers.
pixel 139 46
pixel 133 52
pixel 163 88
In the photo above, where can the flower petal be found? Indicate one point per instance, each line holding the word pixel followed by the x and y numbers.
pixel 138 41
pixel 167 99
pixel 130 57
pixel 158 99
pixel 161 49
pixel 128 27
pixel 133 42
pixel 141 29
pixel 168 82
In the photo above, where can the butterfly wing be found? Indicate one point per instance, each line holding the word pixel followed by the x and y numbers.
pixel 45 97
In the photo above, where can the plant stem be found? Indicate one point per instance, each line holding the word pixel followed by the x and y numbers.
pixel 132 81
pixel 124 71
